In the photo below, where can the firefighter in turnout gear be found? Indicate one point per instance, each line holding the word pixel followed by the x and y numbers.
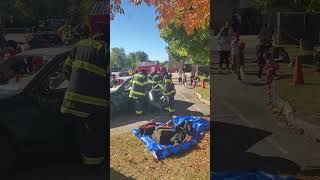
pixel 169 93
pixel 138 90
pixel 85 100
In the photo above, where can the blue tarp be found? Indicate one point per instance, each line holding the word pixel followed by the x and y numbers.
pixel 254 175
pixel 199 125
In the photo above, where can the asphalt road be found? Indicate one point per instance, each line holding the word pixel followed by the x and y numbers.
pixel 248 137
pixel 185 103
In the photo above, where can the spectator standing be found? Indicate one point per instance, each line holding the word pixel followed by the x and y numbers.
pixel 224 46
pixel 234 51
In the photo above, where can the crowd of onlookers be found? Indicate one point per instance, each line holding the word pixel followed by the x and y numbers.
pixel 231 51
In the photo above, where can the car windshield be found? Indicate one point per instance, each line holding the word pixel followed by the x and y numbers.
pixel 18 72
pixel 125 85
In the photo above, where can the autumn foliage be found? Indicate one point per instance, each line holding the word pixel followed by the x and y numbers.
pixel 190 14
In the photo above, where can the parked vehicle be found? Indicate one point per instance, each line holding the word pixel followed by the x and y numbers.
pixel 119 97
pixel 43 35
pixel 30 100
pixel 148 65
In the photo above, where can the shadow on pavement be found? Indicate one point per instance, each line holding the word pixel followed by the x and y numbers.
pixel 229 151
pixel 62 169
pixel 125 119
pixel 117 175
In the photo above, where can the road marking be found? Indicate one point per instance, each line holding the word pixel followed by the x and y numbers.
pixel 238 113
pixel 245 120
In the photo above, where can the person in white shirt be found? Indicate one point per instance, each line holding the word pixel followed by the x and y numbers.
pixel 224 46
pixel 234 51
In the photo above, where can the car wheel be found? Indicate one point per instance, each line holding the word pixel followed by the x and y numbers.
pixel 7 156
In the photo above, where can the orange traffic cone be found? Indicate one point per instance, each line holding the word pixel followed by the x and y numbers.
pixel 203 84
pixel 297 74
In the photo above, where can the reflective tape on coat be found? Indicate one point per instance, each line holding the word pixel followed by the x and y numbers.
pixel 66 110
pixel 137 93
pixel 72 96
pixel 169 93
pixel 92 160
pixel 89 67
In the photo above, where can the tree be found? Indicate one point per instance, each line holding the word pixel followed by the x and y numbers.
pixel 132 60
pixel 265 6
pixel 118 58
pixel 141 56
pixel 35 9
pixel 190 14
pixel 183 46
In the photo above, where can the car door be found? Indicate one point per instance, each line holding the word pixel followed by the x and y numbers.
pixel 51 90
pixel 124 93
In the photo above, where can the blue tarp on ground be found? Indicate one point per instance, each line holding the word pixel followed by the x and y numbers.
pixel 255 175
pixel 199 125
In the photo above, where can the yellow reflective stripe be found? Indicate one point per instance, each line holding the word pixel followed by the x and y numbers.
pixel 66 110
pixel 139 112
pixel 140 83
pixel 68 62
pixel 171 92
pixel 86 99
pixel 90 43
pixel 133 97
pixel 172 110
pixel 167 81
pixel 89 67
pixel 137 93
pixel 166 108
pixel 91 160
pixel 140 75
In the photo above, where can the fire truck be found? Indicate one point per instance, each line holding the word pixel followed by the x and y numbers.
pixel 148 65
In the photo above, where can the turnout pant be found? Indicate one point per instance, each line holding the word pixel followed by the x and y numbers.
pixel 170 104
pixel 91 138
pixel 139 104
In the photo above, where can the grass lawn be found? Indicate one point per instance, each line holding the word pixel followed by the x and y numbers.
pixel 205 93
pixel 129 158
pixel 294 50
pixel 305 99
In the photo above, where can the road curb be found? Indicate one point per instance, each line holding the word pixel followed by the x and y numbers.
pixel 198 96
pixel 286 108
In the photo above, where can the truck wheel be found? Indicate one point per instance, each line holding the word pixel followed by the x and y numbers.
pixel 7 156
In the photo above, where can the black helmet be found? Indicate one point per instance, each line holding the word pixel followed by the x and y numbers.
pixel 82 30
pixel 167 76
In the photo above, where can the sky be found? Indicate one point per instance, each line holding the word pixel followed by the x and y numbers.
pixel 136 30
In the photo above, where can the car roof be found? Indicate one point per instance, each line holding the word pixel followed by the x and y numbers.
pixel 124 78
pixel 52 51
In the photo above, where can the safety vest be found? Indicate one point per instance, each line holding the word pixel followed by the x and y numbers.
pixel 86 70
pixel 168 88
pixel 138 84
